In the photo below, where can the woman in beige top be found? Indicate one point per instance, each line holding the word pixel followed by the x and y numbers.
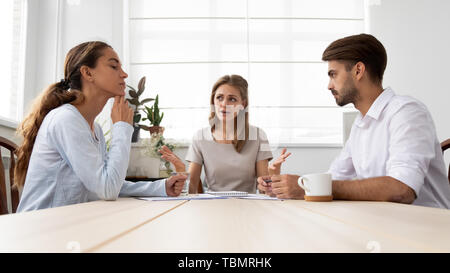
pixel 233 152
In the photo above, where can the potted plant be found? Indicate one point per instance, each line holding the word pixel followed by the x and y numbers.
pixel 154 116
pixel 134 100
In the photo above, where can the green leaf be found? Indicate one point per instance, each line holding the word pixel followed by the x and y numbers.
pixel 137 118
pixel 151 115
pixel 133 94
pixel 160 119
pixel 141 86
pixel 131 87
pixel 134 101
pixel 156 118
pixel 146 100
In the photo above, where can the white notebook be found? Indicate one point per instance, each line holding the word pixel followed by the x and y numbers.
pixel 228 193
pixel 187 197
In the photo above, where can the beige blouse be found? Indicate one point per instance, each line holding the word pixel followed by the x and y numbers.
pixel 226 169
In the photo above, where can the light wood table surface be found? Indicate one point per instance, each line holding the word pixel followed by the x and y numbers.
pixel 77 228
pixel 265 226
pixel 415 227
pixel 228 225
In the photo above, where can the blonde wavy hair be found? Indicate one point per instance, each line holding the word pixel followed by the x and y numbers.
pixel 67 90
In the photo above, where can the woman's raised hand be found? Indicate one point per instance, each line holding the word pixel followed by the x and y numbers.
pixel 168 155
pixel 121 111
pixel 275 166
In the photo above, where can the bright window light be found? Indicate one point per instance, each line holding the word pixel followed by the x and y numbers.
pixel 275 44
pixel 11 33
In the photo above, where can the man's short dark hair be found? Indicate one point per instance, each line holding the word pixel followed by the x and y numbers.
pixel 363 48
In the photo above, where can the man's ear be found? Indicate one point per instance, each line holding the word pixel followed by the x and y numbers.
pixel 359 70
pixel 86 73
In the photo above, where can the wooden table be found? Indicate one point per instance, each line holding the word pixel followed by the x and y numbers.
pixel 228 225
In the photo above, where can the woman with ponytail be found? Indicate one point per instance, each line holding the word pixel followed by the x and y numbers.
pixel 63 158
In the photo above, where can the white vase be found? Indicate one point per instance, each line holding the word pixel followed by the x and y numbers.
pixel 141 165
pixel 150 167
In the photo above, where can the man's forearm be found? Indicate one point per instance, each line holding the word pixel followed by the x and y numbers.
pixel 373 189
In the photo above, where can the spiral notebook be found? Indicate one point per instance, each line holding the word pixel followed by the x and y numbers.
pixel 187 197
pixel 228 193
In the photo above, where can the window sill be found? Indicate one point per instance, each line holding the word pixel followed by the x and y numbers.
pixel 272 145
pixel 9 123
pixel 306 145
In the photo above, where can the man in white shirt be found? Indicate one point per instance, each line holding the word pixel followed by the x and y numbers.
pixel 392 153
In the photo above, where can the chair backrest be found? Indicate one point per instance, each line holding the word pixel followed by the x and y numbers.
pixel 445 145
pixel 12 147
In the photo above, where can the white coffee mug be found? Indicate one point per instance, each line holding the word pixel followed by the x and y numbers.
pixel 318 184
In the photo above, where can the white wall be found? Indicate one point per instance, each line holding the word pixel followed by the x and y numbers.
pixel 9 133
pixel 416 34
pixel 55 26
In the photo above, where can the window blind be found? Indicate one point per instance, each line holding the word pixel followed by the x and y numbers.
pixel 183 47
pixel 11 72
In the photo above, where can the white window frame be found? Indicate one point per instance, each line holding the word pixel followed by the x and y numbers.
pixel 348 108
pixel 14 122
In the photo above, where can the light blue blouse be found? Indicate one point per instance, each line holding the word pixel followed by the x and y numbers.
pixel 70 165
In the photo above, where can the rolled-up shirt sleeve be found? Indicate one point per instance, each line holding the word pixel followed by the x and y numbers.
pixel 411 147
pixel 144 188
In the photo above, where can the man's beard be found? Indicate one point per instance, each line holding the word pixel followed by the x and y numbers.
pixel 348 94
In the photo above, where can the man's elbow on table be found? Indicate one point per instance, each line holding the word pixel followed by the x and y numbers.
pixel 401 193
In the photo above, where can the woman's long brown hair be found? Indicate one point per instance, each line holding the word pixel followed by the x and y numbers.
pixel 240 84
pixel 54 96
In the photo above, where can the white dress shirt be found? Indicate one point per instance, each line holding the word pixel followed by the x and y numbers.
pixel 70 165
pixel 396 138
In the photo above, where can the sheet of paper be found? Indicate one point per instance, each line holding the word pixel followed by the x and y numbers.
pixel 258 197
pixel 186 197
pixel 205 196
